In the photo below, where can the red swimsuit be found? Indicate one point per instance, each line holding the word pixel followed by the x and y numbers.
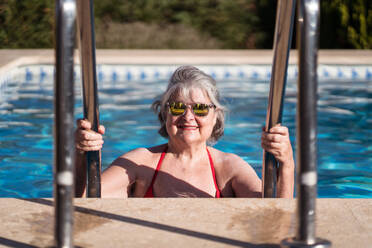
pixel 150 193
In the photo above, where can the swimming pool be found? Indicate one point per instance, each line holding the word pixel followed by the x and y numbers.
pixel 126 92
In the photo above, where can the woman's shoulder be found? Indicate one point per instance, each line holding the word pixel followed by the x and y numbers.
pixel 226 158
pixel 230 168
pixel 142 155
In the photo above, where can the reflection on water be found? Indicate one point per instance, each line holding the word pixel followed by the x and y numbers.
pixel 344 130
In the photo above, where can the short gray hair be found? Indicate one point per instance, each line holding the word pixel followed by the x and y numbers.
pixel 182 81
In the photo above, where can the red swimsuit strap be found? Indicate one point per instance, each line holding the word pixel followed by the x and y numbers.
pixel 218 193
pixel 149 192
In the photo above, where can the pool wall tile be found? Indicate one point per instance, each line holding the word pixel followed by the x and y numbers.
pixel 112 74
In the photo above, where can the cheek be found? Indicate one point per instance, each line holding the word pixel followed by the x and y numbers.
pixel 208 124
pixel 170 124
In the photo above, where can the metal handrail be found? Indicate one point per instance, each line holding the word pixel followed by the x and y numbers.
pixel 86 41
pixel 282 44
pixel 307 41
pixel 64 156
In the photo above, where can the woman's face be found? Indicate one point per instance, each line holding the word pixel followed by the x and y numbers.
pixel 190 128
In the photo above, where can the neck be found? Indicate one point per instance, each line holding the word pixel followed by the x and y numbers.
pixel 186 151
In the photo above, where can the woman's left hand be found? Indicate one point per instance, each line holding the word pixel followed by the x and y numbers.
pixel 277 142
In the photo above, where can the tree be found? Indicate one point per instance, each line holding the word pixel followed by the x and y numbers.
pixel 26 24
pixel 346 24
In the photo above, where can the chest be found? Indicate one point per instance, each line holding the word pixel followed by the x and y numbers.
pixel 177 181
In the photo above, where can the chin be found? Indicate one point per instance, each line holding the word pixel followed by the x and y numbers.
pixel 188 138
pixel 193 140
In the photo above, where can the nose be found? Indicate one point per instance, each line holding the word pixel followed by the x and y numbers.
pixel 188 115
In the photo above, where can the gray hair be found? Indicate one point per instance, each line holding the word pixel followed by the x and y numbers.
pixel 182 81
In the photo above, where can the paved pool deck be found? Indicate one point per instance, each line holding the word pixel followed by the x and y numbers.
pixel 170 222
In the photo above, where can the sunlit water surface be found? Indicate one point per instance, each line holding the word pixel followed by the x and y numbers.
pixel 344 131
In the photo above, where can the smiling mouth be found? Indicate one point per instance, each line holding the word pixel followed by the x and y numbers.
pixel 188 127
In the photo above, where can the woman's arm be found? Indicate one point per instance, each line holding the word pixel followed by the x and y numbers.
pixel 244 181
pixel 285 183
pixel 277 142
pixel 117 179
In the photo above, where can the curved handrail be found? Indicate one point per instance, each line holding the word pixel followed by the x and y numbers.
pixel 87 48
pixel 64 159
pixel 282 44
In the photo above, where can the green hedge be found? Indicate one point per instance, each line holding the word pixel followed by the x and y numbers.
pixel 230 22
pixel 26 24
pixel 346 24
pixel 233 24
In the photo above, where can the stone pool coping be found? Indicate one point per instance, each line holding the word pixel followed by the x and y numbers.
pixel 15 57
pixel 170 222
pixel 124 65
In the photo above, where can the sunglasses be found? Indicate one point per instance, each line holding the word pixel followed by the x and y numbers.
pixel 179 108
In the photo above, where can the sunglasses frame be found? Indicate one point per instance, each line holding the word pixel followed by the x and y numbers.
pixel 191 107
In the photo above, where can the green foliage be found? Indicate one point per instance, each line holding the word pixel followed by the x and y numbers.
pixel 263 30
pixel 233 24
pixel 346 24
pixel 228 21
pixel 26 24
pixel 140 35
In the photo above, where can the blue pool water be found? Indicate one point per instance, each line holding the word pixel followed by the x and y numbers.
pixel 344 130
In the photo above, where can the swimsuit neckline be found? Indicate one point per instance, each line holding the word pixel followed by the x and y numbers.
pixel 150 192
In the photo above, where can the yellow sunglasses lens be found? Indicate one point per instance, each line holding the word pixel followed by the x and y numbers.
pixel 177 108
pixel 201 109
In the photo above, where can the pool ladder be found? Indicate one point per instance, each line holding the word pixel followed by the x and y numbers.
pixel 68 13
pixel 307 40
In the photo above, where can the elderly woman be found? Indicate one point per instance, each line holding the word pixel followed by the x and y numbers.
pixel 191 117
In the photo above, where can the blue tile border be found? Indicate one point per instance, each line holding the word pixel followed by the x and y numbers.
pixel 124 73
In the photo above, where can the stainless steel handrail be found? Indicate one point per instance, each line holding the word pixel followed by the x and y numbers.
pixel 307 41
pixel 86 41
pixel 282 44
pixel 64 155
pixel 307 119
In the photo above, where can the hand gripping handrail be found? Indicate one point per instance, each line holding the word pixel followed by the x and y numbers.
pixel 87 48
pixel 282 44
pixel 64 159
pixel 307 42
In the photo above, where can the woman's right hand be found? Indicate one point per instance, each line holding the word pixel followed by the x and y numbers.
pixel 86 139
